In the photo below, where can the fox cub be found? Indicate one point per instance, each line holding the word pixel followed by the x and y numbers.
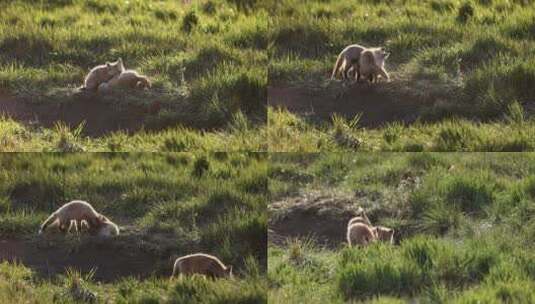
pixel 126 79
pixel 102 73
pixel 200 263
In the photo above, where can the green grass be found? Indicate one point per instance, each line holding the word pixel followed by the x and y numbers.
pixel 169 204
pixel 206 59
pixel 20 285
pixel 470 60
pixel 463 222
pixel 240 135
pixel 288 132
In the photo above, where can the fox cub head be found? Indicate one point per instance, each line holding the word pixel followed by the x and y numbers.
pixel 143 83
pixel 384 234
pixel 115 68
pixel 380 54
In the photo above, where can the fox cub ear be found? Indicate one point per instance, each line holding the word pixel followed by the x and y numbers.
pixel 387 54
pixel 120 64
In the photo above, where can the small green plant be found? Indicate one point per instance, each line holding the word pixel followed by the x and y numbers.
pixel 189 21
pixel 297 250
pixel 77 286
pixel 466 12
pixel 439 220
pixel 200 166
pixel 343 131
pixel 252 268
pixel 209 7
pixel 68 139
pixel 469 193
pixel 392 132
pixel 240 123
pixel 455 137
pixel 515 113
pixel 5 204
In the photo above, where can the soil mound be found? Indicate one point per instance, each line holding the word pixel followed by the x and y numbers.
pixel 111 260
pixel 400 100
pixel 322 218
pixel 100 116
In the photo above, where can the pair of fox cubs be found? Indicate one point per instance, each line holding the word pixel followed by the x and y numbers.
pixel 80 214
pixel 363 62
pixel 106 77
pixel 361 232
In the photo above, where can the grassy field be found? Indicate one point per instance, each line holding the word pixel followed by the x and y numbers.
pixel 239 135
pixel 464 228
pixel 206 59
pixel 167 205
pixel 466 61
pixel 291 133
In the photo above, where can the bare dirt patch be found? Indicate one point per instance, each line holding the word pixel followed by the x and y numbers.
pixel 321 218
pixel 379 103
pixel 322 215
pixel 111 259
pixel 100 116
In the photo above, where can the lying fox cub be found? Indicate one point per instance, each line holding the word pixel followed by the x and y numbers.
pixel 126 79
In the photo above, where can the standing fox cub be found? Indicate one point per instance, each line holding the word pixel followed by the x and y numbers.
pixel 360 231
pixel 367 62
pixel 76 211
pixel 360 234
pixel 200 263
pixel 371 64
pixel 102 73
pixel 349 54
pixel 82 215
pixel 126 79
